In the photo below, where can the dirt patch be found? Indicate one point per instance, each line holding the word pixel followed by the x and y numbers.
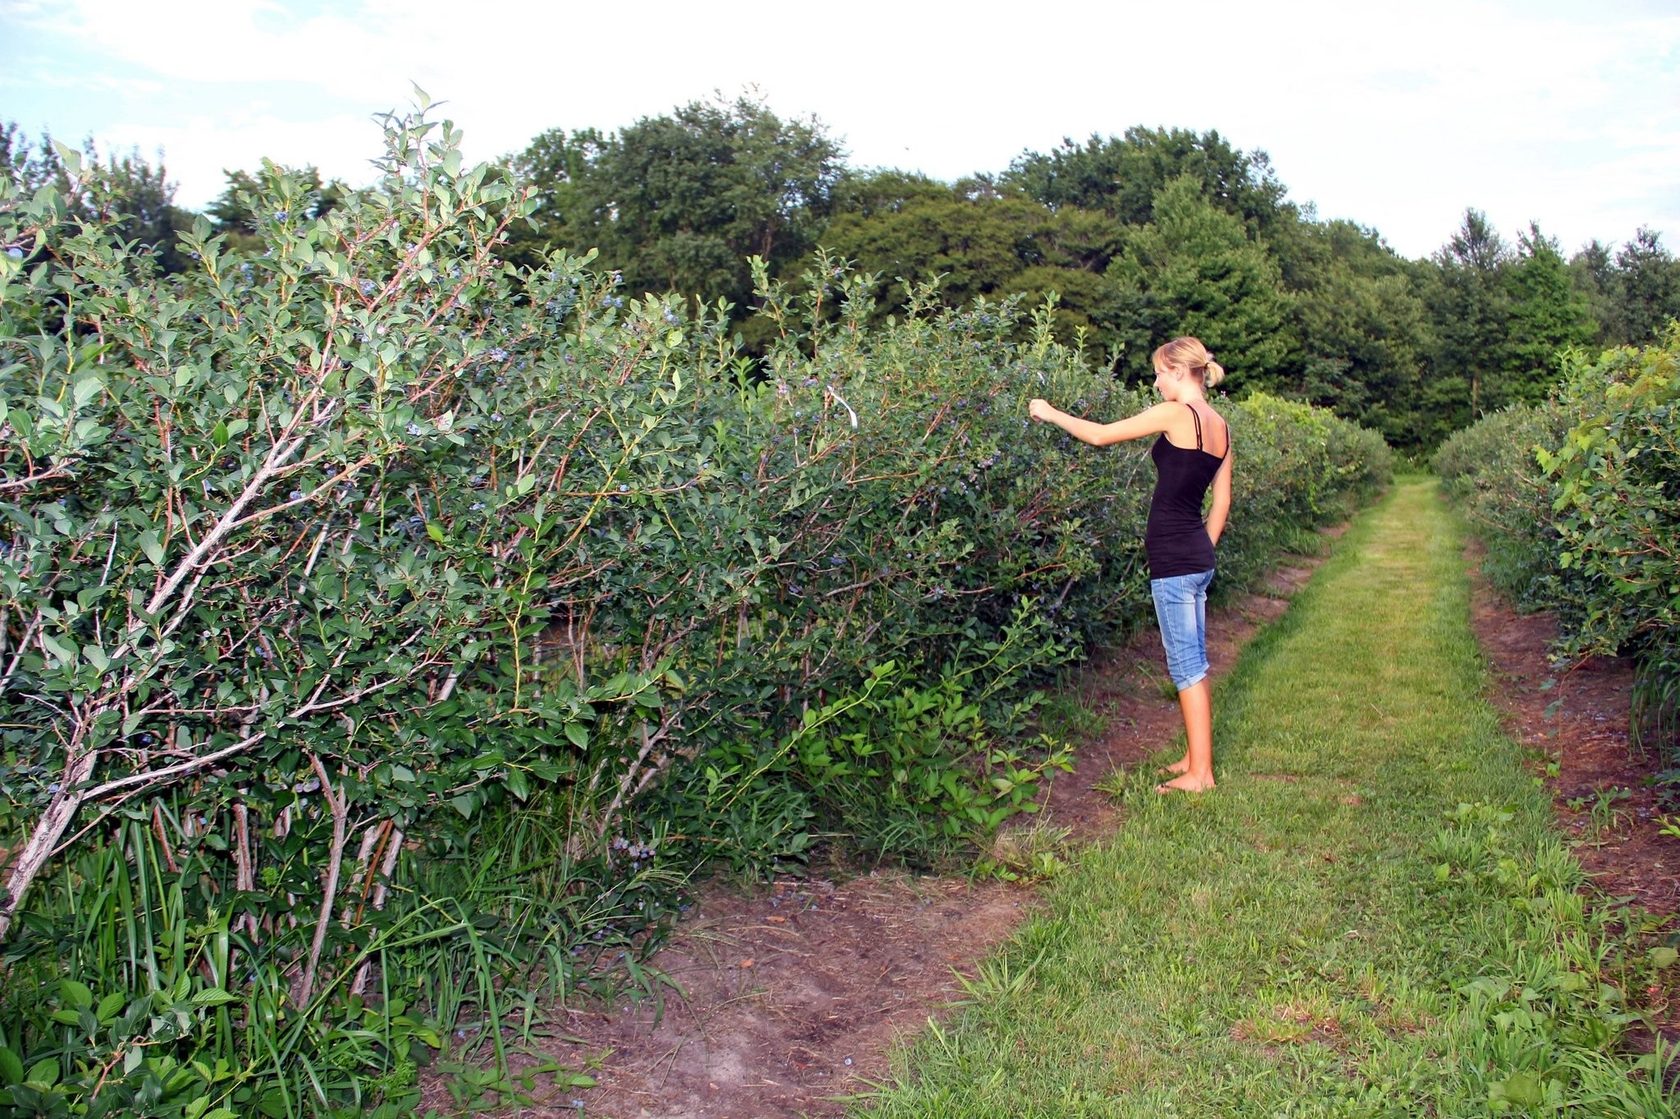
pixel 793 997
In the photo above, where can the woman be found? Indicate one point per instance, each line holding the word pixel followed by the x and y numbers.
pixel 1192 453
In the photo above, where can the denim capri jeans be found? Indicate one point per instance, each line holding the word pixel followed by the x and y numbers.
pixel 1181 609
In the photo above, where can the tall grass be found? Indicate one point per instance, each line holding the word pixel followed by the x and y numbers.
pixel 199 1016
pixel 1371 915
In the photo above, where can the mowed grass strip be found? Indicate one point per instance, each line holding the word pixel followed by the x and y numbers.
pixel 1356 922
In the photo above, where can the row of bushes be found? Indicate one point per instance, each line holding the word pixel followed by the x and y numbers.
pixel 1578 502
pixel 384 630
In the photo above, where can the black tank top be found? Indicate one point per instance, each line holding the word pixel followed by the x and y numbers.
pixel 1175 540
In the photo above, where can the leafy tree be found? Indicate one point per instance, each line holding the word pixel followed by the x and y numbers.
pixel 553 165
pixel 1592 272
pixel 975 240
pixel 1650 287
pixel 871 194
pixel 679 203
pixel 1363 327
pixel 1547 315
pixel 29 168
pixel 1194 269
pixel 1121 176
pixel 1471 307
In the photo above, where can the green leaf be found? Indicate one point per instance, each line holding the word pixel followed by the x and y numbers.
pixel 96 657
pixel 108 1006
pixel 1663 956
pixel 579 735
pixel 518 784
pixel 152 547
pixel 219 434
pixel 61 653
pixel 42 1072
pixel 11 1067
pixel 435 531
pixel 214 996
pixel 85 390
pixel 1523 1088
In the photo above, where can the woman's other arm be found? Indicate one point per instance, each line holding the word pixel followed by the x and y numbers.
pixel 1220 507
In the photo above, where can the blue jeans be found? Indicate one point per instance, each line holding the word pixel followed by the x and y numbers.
pixel 1181 609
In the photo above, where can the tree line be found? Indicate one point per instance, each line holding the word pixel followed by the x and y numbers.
pixel 1135 237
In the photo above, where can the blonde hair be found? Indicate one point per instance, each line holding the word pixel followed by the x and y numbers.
pixel 1187 355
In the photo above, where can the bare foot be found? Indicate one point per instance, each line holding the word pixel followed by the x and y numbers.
pixel 1182 765
pixel 1186 784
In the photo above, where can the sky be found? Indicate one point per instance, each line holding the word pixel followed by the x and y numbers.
pixel 1397 116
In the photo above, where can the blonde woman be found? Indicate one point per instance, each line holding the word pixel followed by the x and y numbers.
pixel 1192 453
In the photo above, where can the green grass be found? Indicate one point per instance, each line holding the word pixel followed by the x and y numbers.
pixel 1372 914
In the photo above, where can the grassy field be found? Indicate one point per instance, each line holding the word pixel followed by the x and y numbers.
pixel 1372 915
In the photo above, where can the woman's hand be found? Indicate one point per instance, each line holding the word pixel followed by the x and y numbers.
pixel 1039 409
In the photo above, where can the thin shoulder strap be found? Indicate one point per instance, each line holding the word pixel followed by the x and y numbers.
pixel 1195 415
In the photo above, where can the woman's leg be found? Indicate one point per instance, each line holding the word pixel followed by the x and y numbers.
pixel 1181 608
pixel 1195 769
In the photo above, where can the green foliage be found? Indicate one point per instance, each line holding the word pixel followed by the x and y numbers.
pixel 1491 472
pixel 1616 486
pixel 1547 316
pixel 1576 501
pixel 1648 284
pixel 1123 176
pixel 1552 998
pixel 1296 468
pixel 421 620
pixel 233 212
pixel 1363 326
pixel 133 200
pixel 1195 269
pixel 253 516
pixel 976 242
pixel 677 203
pixel 1471 307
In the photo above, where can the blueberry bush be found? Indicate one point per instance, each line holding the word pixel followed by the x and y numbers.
pixel 1578 501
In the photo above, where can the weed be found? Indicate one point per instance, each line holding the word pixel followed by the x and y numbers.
pixel 1030 852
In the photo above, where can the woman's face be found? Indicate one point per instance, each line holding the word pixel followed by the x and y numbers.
pixel 1166 381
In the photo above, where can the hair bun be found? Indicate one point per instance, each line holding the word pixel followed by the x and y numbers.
pixel 1212 373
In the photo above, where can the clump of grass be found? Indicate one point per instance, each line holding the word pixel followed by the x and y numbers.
pixel 1027 852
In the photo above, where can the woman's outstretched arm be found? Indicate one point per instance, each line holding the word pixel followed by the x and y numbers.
pixel 1150 421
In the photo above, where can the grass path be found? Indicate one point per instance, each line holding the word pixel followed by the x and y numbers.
pixel 1372 914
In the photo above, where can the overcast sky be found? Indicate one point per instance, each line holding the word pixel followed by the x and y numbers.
pixel 1398 116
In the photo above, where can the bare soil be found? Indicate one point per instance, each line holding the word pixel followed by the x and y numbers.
pixel 790 999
